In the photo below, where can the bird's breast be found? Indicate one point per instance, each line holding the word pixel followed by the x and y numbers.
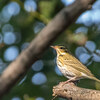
pixel 64 70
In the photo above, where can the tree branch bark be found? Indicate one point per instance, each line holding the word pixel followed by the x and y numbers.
pixel 46 37
pixel 72 92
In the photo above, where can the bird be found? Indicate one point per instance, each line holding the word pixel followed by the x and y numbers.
pixel 71 67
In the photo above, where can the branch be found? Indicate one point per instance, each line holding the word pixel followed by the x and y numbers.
pixel 20 66
pixel 72 92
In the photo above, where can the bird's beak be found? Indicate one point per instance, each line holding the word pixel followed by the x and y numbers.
pixel 54 47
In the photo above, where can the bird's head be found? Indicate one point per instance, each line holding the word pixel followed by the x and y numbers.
pixel 60 49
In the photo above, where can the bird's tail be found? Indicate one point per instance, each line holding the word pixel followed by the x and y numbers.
pixel 94 78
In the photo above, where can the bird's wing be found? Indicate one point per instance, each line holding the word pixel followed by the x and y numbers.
pixel 76 64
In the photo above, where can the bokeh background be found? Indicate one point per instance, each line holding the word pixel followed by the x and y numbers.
pixel 22 20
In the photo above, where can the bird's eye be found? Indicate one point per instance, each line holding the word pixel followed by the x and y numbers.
pixel 61 47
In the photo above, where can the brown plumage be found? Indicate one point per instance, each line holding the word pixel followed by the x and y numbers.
pixel 71 67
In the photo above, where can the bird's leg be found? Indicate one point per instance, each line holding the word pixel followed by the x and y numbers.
pixel 74 80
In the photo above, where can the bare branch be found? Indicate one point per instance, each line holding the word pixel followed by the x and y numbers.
pixel 72 92
pixel 46 37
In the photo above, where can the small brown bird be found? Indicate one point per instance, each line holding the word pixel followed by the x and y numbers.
pixel 71 67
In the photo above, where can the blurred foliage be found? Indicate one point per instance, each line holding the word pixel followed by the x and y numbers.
pixel 25 23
